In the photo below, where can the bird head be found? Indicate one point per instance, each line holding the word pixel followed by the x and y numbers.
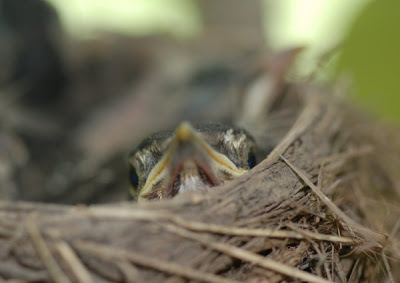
pixel 188 159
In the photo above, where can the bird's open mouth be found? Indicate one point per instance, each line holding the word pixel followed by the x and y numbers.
pixel 191 177
pixel 189 164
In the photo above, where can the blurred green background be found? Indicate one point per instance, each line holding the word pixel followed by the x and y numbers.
pixel 365 34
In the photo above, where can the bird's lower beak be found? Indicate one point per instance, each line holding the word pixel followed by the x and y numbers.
pixel 190 163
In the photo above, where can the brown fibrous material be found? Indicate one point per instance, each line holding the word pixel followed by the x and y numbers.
pixel 323 206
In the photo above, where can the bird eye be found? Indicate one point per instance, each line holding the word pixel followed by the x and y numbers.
pixel 251 159
pixel 134 178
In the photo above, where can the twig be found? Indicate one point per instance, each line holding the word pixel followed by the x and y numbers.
pixel 230 230
pixel 335 209
pixel 311 235
pixel 44 253
pixel 245 255
pixel 129 271
pixel 218 229
pixel 354 271
pixel 387 266
pixel 9 270
pixel 72 260
pixel 108 252
pixel 316 248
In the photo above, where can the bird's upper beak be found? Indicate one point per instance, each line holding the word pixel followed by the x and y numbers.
pixel 189 163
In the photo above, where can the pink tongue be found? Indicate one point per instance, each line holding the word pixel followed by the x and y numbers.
pixel 187 175
pixel 192 177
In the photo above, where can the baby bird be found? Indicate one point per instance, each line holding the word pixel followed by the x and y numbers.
pixel 193 157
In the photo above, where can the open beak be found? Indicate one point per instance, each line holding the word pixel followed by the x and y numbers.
pixel 189 164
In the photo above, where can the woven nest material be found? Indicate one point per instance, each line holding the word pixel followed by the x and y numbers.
pixel 323 206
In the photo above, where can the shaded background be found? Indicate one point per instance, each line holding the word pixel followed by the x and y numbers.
pixel 83 81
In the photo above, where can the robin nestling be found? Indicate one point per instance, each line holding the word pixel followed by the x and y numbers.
pixel 193 157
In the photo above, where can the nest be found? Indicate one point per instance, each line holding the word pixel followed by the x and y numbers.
pixel 321 207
